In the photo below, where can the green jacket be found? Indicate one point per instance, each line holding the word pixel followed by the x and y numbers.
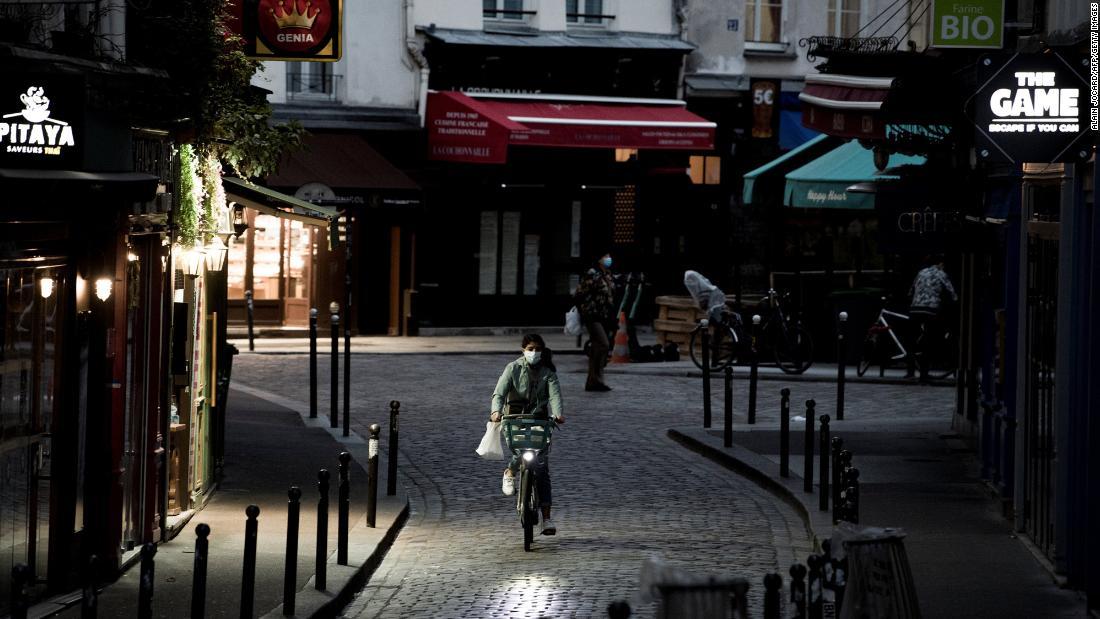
pixel 536 384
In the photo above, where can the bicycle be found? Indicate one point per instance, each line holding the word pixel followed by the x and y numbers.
pixel 527 436
pixel 882 346
pixel 790 342
pixel 723 333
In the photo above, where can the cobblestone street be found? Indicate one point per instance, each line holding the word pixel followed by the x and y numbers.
pixel 622 491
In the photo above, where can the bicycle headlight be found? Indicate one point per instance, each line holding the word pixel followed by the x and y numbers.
pixel 528 456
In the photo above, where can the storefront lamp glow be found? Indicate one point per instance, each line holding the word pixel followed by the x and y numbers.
pixel 215 254
pixel 103 287
pixel 192 259
pixel 45 287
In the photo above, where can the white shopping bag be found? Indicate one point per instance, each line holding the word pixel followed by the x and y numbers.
pixel 573 322
pixel 490 447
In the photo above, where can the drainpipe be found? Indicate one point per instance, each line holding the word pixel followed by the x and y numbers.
pixel 416 52
pixel 680 11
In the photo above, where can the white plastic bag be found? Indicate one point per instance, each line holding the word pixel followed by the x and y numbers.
pixel 490 447
pixel 573 322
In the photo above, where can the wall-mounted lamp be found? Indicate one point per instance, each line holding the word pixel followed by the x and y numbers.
pixel 45 287
pixel 191 260
pixel 103 288
pixel 215 254
pixel 131 257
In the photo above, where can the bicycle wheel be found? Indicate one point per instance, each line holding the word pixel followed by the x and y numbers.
pixel 794 350
pixel 723 343
pixel 869 354
pixel 527 515
pixel 942 357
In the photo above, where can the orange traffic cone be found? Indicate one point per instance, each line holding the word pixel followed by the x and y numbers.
pixel 621 352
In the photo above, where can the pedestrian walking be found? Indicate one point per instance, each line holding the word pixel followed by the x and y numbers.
pixel 928 292
pixel 529 386
pixel 595 300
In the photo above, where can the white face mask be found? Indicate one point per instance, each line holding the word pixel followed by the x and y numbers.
pixel 532 356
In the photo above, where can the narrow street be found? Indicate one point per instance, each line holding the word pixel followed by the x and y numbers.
pixel 622 491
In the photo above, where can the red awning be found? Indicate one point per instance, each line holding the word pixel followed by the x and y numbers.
pixel 479 128
pixel 845 105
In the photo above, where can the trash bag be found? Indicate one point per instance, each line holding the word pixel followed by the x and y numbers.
pixel 573 322
pixel 490 447
pixel 672 352
pixel 706 295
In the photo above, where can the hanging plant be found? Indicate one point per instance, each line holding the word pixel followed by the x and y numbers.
pixel 213 203
pixel 187 215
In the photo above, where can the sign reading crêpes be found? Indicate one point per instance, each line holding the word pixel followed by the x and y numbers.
pixel 1031 108
pixel 300 30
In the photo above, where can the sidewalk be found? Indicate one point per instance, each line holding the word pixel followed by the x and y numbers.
pixel 268 449
pixel 561 344
pixel 915 474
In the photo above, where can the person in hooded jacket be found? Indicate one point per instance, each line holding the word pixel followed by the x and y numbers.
pixel 534 379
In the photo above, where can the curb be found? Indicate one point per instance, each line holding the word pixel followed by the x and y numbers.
pixel 344 581
pixel 752 466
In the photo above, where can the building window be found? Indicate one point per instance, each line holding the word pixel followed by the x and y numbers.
pixel 584 12
pixel 844 17
pixel 311 80
pixel 705 170
pixel 503 9
pixel 764 21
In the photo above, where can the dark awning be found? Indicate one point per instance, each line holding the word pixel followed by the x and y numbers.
pixel 127 186
pixel 536 38
pixel 846 106
pixel 339 161
pixel 275 203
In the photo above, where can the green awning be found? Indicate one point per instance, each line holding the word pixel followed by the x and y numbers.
pixel 751 177
pixel 276 203
pixel 824 182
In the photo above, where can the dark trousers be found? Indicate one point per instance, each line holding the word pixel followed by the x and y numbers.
pixel 927 328
pixel 597 355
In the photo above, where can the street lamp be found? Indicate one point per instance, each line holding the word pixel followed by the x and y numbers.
pixel 103 288
pixel 216 252
pixel 45 286
pixel 191 260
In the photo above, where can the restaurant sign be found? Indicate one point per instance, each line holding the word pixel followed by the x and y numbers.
pixel 1031 108
pixel 301 30
pixel 40 123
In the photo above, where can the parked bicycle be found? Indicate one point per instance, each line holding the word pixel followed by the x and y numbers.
pixel 883 347
pixel 788 340
pixel 721 328
pixel 527 436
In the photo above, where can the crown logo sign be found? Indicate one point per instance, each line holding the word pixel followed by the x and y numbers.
pixel 292 18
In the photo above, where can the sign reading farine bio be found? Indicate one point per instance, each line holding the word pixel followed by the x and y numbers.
pixel 1031 108
pixel 36 130
pixel 301 30
pixel 968 23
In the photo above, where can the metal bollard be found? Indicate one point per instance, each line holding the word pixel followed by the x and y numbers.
pixel 841 359
pixel 20 580
pixel 89 599
pixel 313 363
pixel 798 590
pixel 145 581
pixel 852 495
pixel 290 568
pixel 343 507
pixel 754 362
pixel 391 464
pixel 704 335
pixel 814 586
pixel 823 448
pixel 321 578
pixel 727 432
pixel 248 577
pixel 334 387
pixel 828 582
pixel 741 599
pixel 372 474
pixel 845 463
pixel 773 585
pixel 347 371
pixel 785 432
pixel 198 578
pixel 808 464
pixel 837 444
pixel 249 310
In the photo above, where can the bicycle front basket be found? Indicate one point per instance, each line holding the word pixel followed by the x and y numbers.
pixel 527 433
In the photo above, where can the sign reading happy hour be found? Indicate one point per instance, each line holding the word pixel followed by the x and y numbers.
pixel 1031 108
pixel 301 30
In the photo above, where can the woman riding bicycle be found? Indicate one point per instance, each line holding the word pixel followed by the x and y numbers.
pixel 530 383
